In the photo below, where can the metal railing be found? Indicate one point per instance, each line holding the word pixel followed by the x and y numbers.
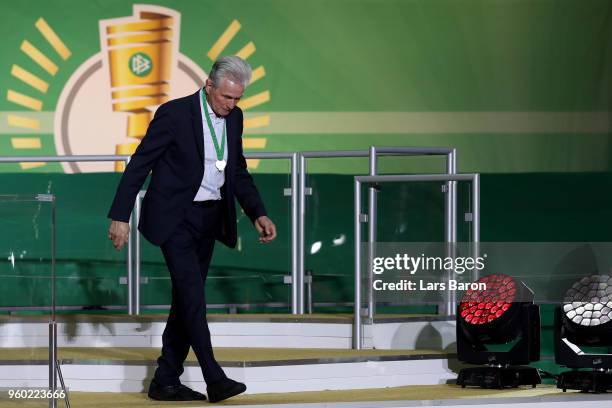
pixel 373 153
pixel 358 219
pixel 291 191
pixel 298 192
pixel 133 260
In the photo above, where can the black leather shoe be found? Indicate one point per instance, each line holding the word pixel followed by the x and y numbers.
pixel 224 389
pixel 173 393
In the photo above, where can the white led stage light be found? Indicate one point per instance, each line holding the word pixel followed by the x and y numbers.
pixel 585 320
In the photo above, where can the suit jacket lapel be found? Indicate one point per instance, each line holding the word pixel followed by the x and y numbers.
pixel 196 123
pixel 230 125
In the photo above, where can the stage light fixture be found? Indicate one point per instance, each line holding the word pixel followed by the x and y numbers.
pixel 585 321
pixel 499 311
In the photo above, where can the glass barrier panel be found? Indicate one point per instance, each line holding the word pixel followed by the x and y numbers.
pixel 249 278
pixel 408 215
pixel 26 259
pixel 90 272
pixel 329 232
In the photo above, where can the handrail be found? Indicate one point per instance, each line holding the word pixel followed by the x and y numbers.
pixel 298 206
pixel 111 157
pixel 67 158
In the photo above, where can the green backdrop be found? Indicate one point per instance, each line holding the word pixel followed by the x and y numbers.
pixel 516 86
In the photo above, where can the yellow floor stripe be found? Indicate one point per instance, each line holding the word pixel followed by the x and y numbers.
pixel 24 100
pixel 38 57
pixel 224 40
pixel 254 142
pixel 246 51
pixel 29 78
pixel 53 39
pixel 253 163
pixel 26 143
pixel 23 122
pixel 31 165
pixel 258 73
pixel 420 395
pixel 257 122
pixel 255 100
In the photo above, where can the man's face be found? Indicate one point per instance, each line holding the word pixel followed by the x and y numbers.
pixel 223 96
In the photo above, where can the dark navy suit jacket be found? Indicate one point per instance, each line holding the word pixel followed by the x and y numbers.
pixel 173 149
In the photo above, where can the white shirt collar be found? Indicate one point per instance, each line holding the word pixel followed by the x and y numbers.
pixel 211 112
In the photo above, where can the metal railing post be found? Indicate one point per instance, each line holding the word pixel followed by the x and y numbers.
pixel 357 341
pixel 476 221
pixel 299 281
pixel 372 216
pixel 450 225
pixel 296 237
pixel 136 255
pixel 130 260
pixel 53 323
pixel 453 194
pixel 52 363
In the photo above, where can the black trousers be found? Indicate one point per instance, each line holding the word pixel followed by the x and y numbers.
pixel 188 253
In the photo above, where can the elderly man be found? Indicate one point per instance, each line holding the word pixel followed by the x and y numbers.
pixel 193 147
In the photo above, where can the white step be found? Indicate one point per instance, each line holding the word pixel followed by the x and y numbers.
pixel 320 333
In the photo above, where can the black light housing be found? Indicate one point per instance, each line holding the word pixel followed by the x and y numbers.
pixel 499 313
pixel 585 320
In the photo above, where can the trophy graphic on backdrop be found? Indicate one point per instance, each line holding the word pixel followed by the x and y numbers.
pixel 139 52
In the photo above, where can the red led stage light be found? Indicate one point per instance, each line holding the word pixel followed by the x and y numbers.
pixel 484 306
pixel 498 310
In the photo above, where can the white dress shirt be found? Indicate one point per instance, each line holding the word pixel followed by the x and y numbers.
pixel 213 179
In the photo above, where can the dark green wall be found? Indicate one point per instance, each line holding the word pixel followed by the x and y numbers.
pixel 515 208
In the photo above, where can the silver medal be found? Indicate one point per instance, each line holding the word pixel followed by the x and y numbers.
pixel 220 165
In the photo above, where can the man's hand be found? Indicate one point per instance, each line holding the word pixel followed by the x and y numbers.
pixel 119 232
pixel 266 229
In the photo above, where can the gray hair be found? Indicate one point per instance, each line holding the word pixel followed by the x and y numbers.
pixel 231 67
